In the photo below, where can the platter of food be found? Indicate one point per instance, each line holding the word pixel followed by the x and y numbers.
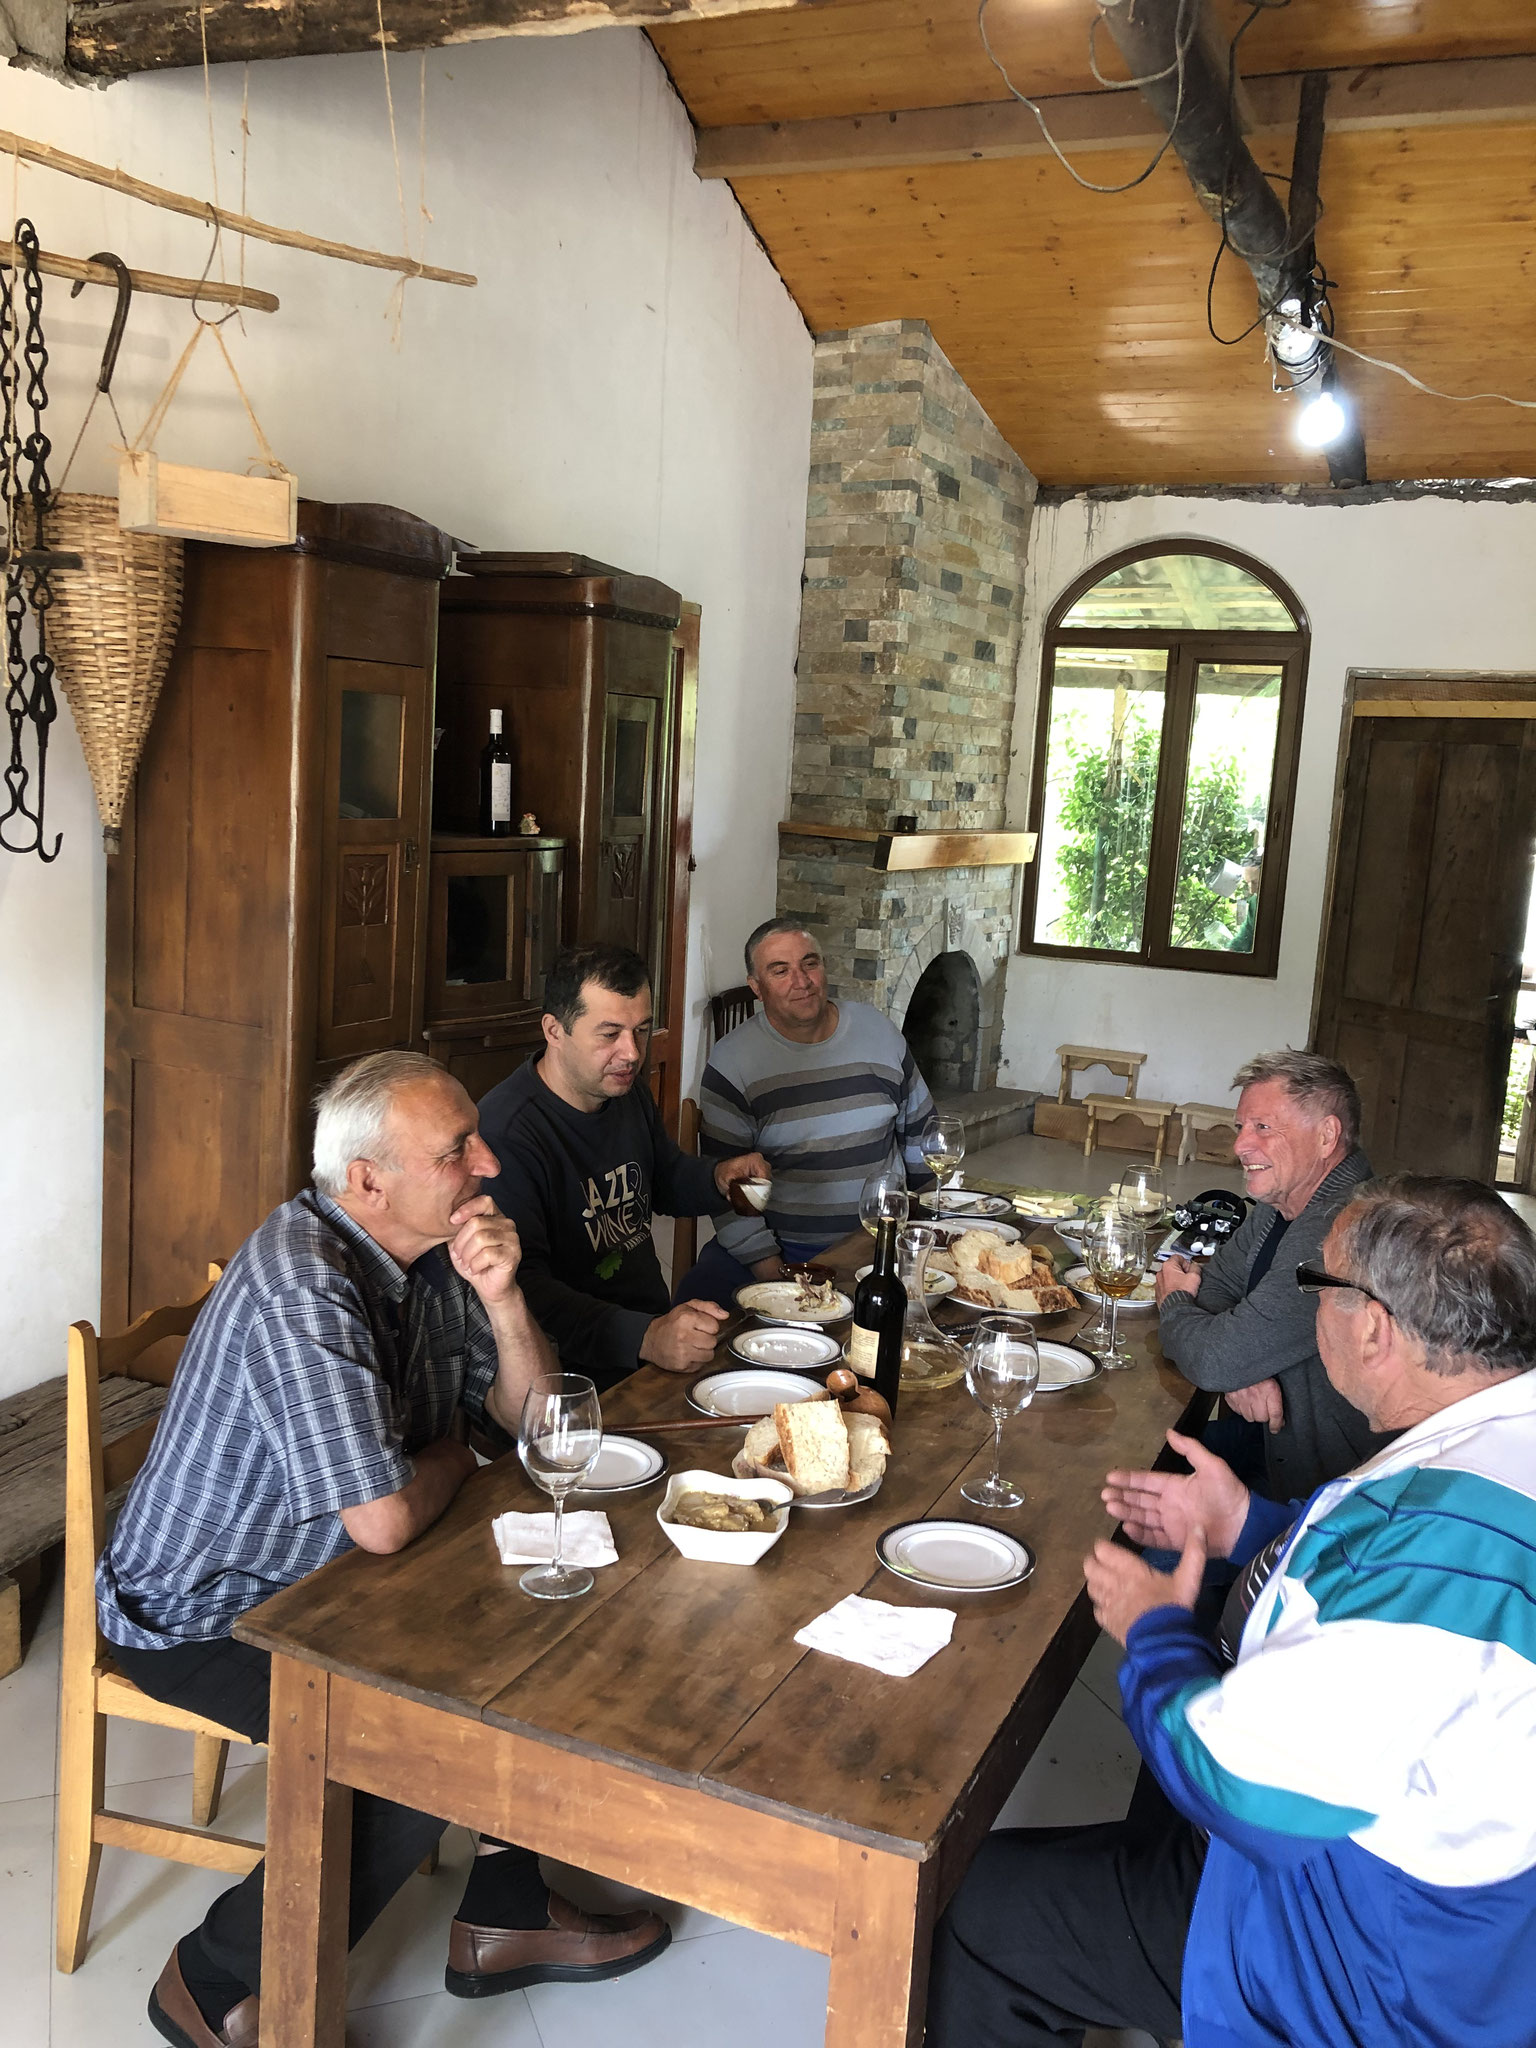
pixel 1048 1205
pixel 1063 1366
pixel 992 1277
pixel 749 1392
pixel 795 1350
pixel 937 1281
pixel 955 1556
pixel 1138 1302
pixel 828 1455
pixel 624 1465
pixel 948 1232
pixel 798 1300
pixel 961 1202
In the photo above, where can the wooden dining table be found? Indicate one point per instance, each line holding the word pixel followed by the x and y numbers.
pixel 666 1729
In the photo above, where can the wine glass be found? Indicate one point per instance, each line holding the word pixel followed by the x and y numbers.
pixel 1142 1192
pixel 559 1436
pixel 1098 1337
pixel 943 1148
pixel 883 1197
pixel 1001 1376
pixel 1117 1258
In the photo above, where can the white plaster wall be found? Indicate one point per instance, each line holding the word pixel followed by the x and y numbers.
pixel 630 380
pixel 1427 583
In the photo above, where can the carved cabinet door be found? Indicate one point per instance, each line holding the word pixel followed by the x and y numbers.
pixel 375 839
pixel 632 814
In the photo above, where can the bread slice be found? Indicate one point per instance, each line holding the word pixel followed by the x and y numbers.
pixel 759 1456
pixel 1011 1264
pixel 972 1247
pixel 813 1441
pixel 869 1445
pixel 979 1290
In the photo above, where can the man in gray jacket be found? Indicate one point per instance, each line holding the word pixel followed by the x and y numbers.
pixel 1240 1325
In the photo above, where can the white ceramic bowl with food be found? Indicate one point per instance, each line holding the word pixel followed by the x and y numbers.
pixel 724 1546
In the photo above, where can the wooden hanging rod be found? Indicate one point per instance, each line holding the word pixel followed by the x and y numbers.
pixel 202 209
pixel 147 281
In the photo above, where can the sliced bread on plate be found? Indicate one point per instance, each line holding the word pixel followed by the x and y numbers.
pixel 813 1442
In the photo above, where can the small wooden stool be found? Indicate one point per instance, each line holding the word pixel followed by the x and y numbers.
pixel 1075 1059
pixel 1150 1117
pixel 1205 1116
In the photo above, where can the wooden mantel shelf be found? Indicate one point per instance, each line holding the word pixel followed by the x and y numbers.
pixel 908 850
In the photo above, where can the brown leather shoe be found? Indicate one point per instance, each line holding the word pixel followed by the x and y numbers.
pixel 173 2014
pixel 574 1948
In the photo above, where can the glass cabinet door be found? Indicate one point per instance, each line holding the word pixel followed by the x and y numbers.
pixel 493 926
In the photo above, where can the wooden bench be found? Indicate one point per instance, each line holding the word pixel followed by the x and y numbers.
pixel 1209 1132
pixel 1076 1059
pixel 1127 1124
pixel 32 1483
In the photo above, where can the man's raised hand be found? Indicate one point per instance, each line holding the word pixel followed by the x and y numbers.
pixel 485 1249
pixel 1123 1589
pixel 1161 1508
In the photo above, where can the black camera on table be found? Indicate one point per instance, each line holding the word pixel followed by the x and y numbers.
pixel 1207 1221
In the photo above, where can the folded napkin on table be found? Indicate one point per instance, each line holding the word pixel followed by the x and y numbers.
pixel 896 1640
pixel 530 1539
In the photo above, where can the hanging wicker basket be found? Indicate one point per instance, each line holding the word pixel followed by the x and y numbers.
pixel 111 629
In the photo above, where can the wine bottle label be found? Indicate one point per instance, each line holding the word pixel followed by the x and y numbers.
pixel 501 792
pixel 863 1349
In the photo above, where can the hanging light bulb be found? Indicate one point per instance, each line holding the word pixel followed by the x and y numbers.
pixel 1322 420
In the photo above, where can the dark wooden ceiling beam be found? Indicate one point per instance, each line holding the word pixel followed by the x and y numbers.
pixel 117 38
pixel 1468 92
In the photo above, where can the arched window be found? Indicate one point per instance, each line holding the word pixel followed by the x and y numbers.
pixel 1165 763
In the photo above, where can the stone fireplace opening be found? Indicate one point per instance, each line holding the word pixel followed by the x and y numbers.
pixel 943 1024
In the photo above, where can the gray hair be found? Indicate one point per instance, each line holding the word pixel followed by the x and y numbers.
pixel 770 930
pixel 1323 1085
pixel 352 1113
pixel 1453 1263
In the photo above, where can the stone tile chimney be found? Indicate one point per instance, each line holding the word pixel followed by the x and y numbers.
pixel 916 533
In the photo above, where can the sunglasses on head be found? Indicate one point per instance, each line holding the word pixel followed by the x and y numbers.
pixel 1312 1278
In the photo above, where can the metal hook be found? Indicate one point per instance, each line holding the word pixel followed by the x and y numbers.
pixel 119 318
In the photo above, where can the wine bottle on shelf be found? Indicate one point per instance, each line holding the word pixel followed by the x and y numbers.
pixel 879 1318
pixel 496 784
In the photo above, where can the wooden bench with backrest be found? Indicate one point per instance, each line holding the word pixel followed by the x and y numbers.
pixel 92 1690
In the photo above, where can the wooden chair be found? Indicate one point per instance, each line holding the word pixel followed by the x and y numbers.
pixel 91 1689
pixel 731 1007
pixel 685 1229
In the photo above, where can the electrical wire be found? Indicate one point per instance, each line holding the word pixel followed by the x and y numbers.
pixel 1454 397
pixel 1186 22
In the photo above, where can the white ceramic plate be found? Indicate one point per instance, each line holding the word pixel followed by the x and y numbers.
pixel 838 1500
pixel 956 1557
pixel 624 1465
pixel 774 1301
pixel 1063 1366
pixel 957 1202
pixel 750 1392
pixel 936 1282
pixel 793 1350
pixel 1008 1232
pixel 1030 1206
pixel 1080 1280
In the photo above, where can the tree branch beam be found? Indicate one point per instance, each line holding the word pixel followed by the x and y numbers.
pixel 1467 92
pixel 116 38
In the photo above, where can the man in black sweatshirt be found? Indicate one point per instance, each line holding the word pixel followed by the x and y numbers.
pixel 584 1164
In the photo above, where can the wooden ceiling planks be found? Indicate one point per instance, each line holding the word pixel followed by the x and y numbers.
pixel 1079 320
pixel 862 56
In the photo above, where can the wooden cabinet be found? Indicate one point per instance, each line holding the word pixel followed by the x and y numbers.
pixel 265 919
pixel 494 923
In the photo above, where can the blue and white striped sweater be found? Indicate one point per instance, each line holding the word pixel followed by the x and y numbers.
pixel 1367 1772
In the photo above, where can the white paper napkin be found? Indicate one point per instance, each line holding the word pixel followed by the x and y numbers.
pixel 530 1539
pixel 896 1640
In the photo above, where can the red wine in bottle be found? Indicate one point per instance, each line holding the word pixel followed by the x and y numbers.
pixel 496 784
pixel 879 1319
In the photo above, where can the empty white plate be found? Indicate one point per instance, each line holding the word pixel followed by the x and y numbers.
pixel 1064 1365
pixel 750 1392
pixel 794 1350
pixel 623 1464
pixel 957 1557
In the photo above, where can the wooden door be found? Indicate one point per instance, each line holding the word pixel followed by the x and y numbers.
pixel 672 998
pixel 375 835
pixel 1422 959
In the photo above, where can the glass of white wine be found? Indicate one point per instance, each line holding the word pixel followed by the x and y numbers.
pixel 559 1436
pixel 943 1148
pixel 1143 1194
pixel 1001 1375
pixel 883 1196
pixel 1117 1258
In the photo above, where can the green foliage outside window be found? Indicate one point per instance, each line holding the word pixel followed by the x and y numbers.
pixel 1106 824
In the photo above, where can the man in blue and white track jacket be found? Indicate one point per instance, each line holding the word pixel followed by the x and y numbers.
pixel 1366 1770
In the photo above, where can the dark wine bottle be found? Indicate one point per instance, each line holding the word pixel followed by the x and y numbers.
pixel 879 1319
pixel 496 784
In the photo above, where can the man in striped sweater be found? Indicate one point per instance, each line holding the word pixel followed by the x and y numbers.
pixel 1362 1773
pixel 828 1091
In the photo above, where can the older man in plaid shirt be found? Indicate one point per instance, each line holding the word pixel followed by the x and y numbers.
pixel 312 1410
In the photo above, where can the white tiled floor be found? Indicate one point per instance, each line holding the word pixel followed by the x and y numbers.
pixel 716 1983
